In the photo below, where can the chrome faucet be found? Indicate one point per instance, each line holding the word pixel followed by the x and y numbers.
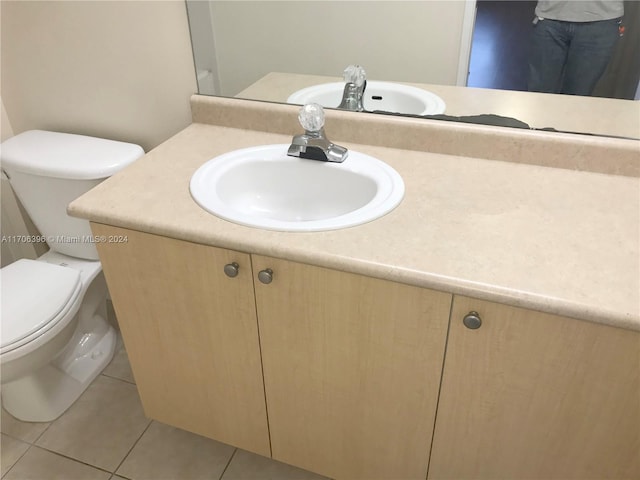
pixel 355 83
pixel 313 143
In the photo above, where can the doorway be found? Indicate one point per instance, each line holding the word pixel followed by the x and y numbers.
pixel 500 44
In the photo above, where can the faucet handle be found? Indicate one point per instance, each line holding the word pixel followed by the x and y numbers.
pixel 354 74
pixel 311 117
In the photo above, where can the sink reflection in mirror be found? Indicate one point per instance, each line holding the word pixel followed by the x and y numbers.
pixel 263 187
pixel 378 97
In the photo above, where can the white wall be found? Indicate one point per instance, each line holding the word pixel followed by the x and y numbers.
pixel 411 41
pixel 12 222
pixel 114 69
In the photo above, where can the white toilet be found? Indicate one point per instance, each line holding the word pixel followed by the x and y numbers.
pixel 54 337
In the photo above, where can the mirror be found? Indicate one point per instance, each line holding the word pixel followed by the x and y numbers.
pixel 268 50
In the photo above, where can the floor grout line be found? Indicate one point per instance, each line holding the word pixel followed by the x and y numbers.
pixel 22 439
pixel 228 463
pixel 118 378
pixel 19 458
pixel 63 456
pixel 132 447
pixel 44 431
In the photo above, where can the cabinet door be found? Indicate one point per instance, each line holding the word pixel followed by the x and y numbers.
pixel 532 395
pixel 352 370
pixel 191 334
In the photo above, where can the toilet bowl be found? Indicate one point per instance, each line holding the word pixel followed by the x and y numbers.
pixel 55 337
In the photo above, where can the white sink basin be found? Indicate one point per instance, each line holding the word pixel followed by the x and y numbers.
pixel 382 96
pixel 263 187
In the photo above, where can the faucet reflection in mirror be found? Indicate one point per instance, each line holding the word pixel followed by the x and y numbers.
pixel 355 84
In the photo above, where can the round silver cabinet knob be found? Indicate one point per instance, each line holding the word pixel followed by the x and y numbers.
pixel 231 269
pixel 265 276
pixel 472 320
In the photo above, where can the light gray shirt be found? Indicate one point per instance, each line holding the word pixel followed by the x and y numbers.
pixel 580 10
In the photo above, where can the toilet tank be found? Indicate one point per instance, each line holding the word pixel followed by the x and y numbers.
pixel 48 170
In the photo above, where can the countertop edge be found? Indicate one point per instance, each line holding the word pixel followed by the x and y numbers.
pixel 454 286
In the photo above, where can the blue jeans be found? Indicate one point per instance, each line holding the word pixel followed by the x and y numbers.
pixel 570 57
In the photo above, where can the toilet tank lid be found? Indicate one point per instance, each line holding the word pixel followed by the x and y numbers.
pixel 33 293
pixel 66 155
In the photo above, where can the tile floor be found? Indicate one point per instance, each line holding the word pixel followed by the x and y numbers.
pixel 105 435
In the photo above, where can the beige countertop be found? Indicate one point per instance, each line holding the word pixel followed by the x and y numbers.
pixel 602 116
pixel 549 239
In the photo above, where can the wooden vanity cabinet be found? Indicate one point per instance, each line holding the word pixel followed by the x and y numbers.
pixel 351 364
pixel 533 395
pixel 190 332
pixel 352 368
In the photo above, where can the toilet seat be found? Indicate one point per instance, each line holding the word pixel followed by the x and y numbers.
pixel 35 297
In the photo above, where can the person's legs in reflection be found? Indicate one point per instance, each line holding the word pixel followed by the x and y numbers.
pixel 551 40
pixel 591 49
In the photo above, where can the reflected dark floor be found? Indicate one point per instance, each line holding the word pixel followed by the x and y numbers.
pixel 500 45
